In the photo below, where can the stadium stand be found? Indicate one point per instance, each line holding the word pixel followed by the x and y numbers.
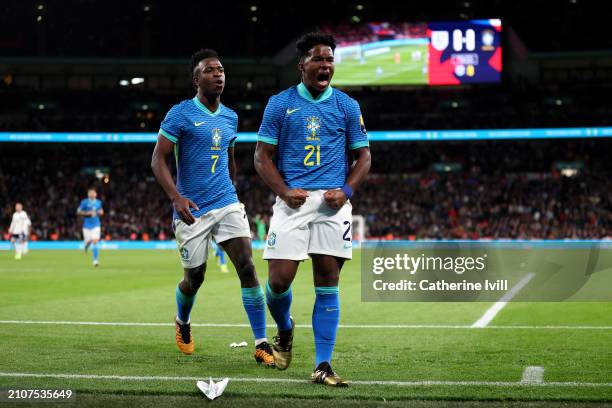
pixel 437 190
pixel 69 81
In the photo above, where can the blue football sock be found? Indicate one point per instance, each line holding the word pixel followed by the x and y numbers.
pixel 222 260
pixel 325 318
pixel 184 304
pixel 255 306
pixel 279 305
pixel 94 251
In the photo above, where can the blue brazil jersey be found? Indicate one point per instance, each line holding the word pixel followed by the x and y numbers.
pixel 201 139
pixel 313 136
pixel 91 205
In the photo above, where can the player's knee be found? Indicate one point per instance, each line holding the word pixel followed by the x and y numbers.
pixel 327 277
pixel 245 266
pixel 246 271
pixel 194 284
pixel 195 277
pixel 280 275
pixel 278 285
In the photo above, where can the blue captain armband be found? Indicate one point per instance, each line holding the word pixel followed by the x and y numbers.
pixel 348 191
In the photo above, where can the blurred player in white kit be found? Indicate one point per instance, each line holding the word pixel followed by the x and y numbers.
pixel 19 230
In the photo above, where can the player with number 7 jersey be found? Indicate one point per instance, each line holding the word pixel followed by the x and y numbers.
pixel 201 132
pixel 201 141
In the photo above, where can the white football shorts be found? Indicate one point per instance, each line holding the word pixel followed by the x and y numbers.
pixel 313 228
pixel 221 225
pixel 91 234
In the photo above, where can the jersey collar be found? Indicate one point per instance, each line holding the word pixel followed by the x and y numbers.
pixel 203 108
pixel 305 93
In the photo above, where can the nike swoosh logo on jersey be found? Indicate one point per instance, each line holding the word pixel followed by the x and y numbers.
pixel 290 111
pixel 198 124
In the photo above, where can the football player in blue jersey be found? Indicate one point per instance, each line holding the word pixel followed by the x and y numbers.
pixel 313 152
pixel 91 210
pixel 201 132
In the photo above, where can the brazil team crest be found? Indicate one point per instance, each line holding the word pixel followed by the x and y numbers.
pixel 271 239
pixel 313 127
pixel 185 254
pixel 216 138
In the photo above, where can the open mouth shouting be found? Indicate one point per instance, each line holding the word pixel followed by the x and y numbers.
pixel 323 79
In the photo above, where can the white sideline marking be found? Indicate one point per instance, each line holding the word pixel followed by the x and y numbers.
pixel 307 326
pixel 293 380
pixel 502 302
pixel 533 375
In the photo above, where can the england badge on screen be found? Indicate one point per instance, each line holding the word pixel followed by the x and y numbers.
pixel 439 40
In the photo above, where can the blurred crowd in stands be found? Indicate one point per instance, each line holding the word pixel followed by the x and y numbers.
pixel 504 189
pixel 515 105
pixel 437 190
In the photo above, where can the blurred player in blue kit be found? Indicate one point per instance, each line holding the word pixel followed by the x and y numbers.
pixel 200 133
pixel 91 211
pixel 313 152
pixel 220 256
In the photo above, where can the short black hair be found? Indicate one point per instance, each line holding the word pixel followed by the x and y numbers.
pixel 309 40
pixel 199 56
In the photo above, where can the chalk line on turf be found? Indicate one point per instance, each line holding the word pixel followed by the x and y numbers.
pixel 292 380
pixel 490 314
pixel 533 375
pixel 307 326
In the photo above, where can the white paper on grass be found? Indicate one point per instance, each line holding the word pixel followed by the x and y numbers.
pixel 212 389
pixel 241 344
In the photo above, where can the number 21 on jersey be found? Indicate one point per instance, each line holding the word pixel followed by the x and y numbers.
pixel 309 160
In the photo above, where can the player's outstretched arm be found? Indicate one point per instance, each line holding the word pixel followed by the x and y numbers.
pixel 357 175
pixel 265 167
pixel 159 165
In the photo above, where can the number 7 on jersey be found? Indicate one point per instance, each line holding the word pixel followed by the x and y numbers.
pixel 215 157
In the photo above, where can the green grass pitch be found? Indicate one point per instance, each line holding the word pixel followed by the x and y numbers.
pixel 136 365
pixel 352 72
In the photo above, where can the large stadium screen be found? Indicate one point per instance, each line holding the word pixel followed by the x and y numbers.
pixel 435 53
